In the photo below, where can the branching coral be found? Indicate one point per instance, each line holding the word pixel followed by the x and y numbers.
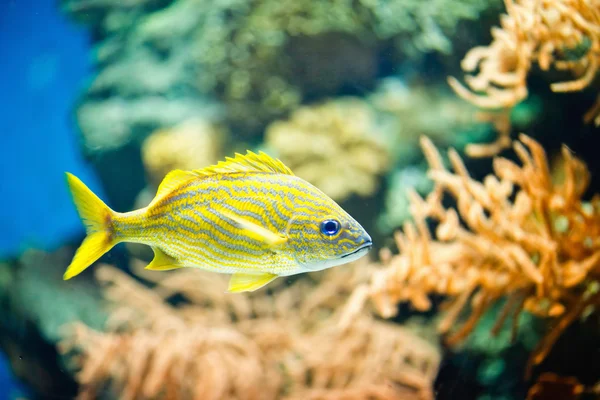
pixel 193 144
pixel 552 386
pixel 291 344
pixel 336 145
pixel 563 35
pixel 406 113
pixel 525 237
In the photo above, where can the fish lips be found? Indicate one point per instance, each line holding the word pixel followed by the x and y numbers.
pixel 344 259
pixel 360 251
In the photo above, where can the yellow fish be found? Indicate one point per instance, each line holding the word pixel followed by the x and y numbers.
pixel 249 216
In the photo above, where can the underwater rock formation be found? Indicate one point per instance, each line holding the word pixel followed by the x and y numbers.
pixel 242 52
pixel 396 210
pixel 250 59
pixel 141 85
pixel 214 345
pixel 555 35
pixel 337 146
pixel 409 111
pixel 529 238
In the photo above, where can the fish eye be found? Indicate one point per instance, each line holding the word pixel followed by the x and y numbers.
pixel 330 227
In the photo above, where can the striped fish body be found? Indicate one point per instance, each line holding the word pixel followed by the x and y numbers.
pixel 248 216
pixel 194 224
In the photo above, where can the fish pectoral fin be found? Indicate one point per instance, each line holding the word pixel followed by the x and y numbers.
pixel 162 261
pixel 258 232
pixel 241 282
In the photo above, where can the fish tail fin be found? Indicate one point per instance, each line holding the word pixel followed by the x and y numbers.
pixel 98 220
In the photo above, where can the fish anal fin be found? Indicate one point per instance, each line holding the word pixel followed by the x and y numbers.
pixel 241 282
pixel 162 261
pixel 170 182
pixel 250 162
pixel 257 232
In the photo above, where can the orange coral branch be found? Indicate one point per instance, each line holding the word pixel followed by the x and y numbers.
pixel 531 31
pixel 305 341
pixel 525 234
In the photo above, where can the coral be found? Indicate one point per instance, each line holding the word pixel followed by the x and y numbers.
pixel 111 124
pixel 336 146
pixel 141 86
pixel 527 237
pixel 562 35
pixel 257 56
pixel 406 112
pixel 552 386
pixel 193 144
pixel 246 56
pixel 291 344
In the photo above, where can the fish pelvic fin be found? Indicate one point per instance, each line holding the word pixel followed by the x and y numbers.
pixel 241 282
pixel 162 261
pixel 98 220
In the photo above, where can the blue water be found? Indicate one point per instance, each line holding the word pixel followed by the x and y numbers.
pixel 10 388
pixel 45 63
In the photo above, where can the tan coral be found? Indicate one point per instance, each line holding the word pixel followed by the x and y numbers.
pixel 543 32
pixel 192 144
pixel 527 236
pixel 291 344
pixel 336 146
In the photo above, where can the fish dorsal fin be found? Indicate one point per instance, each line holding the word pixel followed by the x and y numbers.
pixel 173 179
pixel 251 161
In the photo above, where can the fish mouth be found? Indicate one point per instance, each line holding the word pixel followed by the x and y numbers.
pixel 344 259
pixel 364 247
